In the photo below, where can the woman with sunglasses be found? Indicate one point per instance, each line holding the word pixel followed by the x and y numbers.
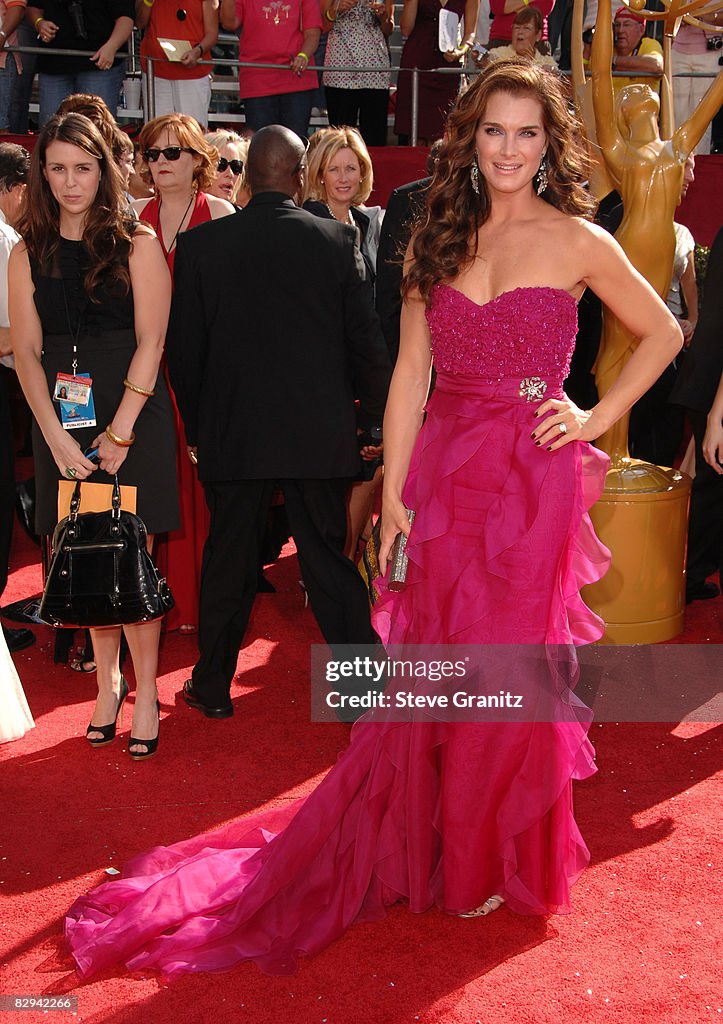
pixel 230 181
pixel 90 296
pixel 180 83
pixel 181 165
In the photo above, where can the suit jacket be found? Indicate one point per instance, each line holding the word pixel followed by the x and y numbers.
pixel 405 203
pixel 362 222
pixel 272 337
pixel 701 368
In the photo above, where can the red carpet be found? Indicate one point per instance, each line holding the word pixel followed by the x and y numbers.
pixel 640 944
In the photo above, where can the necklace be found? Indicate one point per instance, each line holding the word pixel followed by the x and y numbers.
pixel 180 225
pixel 349 218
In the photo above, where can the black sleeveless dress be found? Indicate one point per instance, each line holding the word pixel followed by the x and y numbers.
pixel 106 343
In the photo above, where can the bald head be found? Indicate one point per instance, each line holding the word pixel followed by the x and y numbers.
pixel 275 160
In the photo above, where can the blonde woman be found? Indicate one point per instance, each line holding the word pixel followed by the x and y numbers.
pixel 339 180
pixel 230 180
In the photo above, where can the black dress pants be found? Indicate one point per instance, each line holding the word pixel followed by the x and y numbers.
pixel 316 510
pixel 705 529
pixel 366 108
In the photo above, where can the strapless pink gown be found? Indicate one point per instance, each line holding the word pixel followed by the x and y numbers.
pixel 433 812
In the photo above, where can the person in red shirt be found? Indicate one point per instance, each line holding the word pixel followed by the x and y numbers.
pixel 504 12
pixel 180 86
pixel 282 32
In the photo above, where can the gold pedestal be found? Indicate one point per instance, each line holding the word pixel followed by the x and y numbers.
pixel 642 517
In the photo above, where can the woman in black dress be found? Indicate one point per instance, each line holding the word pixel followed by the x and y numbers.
pixel 90 295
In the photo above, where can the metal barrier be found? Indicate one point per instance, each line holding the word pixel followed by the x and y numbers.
pixel 149 99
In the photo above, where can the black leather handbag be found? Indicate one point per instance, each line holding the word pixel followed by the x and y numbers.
pixel 101 573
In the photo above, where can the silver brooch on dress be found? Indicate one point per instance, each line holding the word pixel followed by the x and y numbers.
pixel 533 388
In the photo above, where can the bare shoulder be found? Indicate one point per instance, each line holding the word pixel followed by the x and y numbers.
pixel 219 207
pixel 145 251
pixel 585 240
pixel 18 258
pixel 145 241
pixel 142 232
pixel 19 251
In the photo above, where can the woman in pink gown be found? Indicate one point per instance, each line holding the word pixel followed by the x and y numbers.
pixel 464 815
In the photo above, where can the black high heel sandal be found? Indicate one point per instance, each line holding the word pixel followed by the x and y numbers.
pixel 150 745
pixel 107 732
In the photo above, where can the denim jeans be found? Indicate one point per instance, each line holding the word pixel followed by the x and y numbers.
pixel 23 86
pixel 55 88
pixel 291 109
pixel 8 75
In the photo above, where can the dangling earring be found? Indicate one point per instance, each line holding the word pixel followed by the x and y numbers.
pixel 474 175
pixel 542 181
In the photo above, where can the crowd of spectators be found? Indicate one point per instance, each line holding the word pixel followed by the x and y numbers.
pixel 445 43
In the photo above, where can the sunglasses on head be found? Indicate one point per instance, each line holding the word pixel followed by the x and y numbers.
pixel 236 166
pixel 170 153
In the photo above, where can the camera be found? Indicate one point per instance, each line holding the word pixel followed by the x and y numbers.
pixel 714 42
pixel 77 16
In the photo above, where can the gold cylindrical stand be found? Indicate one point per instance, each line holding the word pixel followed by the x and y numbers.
pixel 642 517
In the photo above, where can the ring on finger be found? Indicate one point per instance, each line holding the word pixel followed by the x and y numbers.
pixel 562 427
pixel 70 472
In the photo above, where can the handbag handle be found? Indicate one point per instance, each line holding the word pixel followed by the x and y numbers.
pixel 115 501
pixel 75 502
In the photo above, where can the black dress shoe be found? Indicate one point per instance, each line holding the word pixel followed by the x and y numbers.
pixel 225 711
pixel 701 592
pixel 18 639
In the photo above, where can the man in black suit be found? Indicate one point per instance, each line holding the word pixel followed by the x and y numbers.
pixel 273 335
pixel 695 389
pixel 405 206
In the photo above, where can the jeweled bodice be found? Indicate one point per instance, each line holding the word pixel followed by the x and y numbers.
pixel 523 332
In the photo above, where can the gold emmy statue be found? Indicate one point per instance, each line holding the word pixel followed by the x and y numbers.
pixel 642 515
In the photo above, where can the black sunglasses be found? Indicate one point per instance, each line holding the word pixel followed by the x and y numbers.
pixel 170 153
pixel 236 166
pixel 181 14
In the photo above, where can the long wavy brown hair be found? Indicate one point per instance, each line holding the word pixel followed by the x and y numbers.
pixel 445 241
pixel 107 232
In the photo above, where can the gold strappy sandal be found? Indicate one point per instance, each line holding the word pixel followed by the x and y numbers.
pixel 489 905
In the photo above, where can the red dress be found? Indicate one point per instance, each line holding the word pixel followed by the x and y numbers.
pixel 437 93
pixel 178 554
